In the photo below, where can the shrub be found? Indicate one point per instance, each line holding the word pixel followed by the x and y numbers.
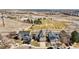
pixel 38 21
pixel 35 43
pixel 74 37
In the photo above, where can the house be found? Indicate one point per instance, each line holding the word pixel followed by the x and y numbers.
pixel 23 19
pixel 53 38
pixel 25 36
pixel 41 37
pixel 65 38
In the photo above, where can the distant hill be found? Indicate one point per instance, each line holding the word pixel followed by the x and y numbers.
pixel 72 12
pixel 38 10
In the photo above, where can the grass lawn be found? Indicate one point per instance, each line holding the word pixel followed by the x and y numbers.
pixel 49 24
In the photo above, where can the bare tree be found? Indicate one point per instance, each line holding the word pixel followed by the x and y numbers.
pixel 2 17
pixel 0 36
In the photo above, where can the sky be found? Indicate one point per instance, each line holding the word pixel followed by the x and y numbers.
pixel 39 4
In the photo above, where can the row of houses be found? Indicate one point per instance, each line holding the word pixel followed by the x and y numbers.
pixel 44 36
pixel 71 12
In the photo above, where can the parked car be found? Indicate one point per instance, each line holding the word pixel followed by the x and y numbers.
pixel 50 48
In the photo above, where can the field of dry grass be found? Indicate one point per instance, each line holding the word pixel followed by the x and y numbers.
pixel 12 25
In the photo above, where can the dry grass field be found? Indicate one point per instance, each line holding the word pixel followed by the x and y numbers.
pixel 12 25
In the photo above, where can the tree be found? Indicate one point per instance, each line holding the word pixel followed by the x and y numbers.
pixel 28 20
pixel 2 17
pixel 0 37
pixel 31 21
pixel 37 21
pixel 75 37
